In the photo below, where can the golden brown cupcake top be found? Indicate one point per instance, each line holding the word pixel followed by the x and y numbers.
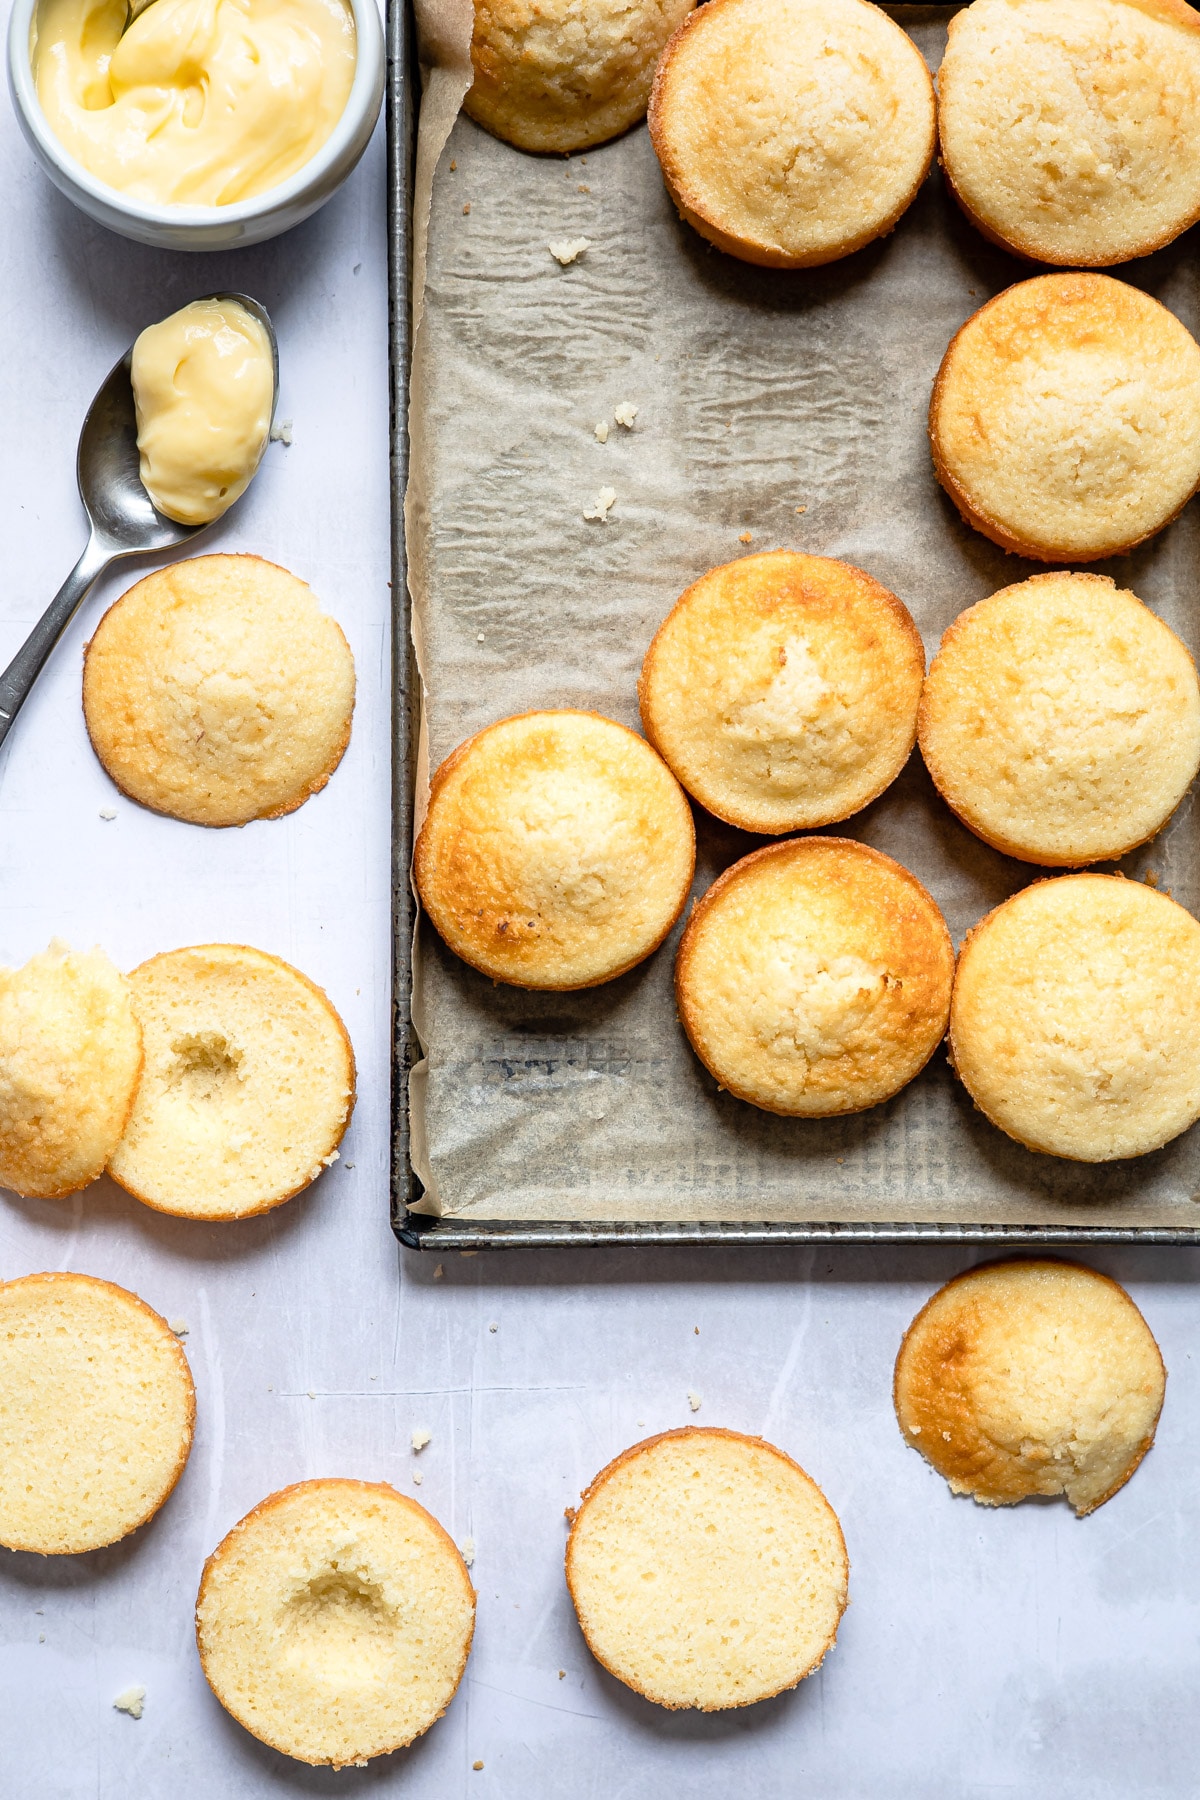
pixel 1075 1017
pixel 1030 1378
pixel 814 977
pixel 782 690
pixel 1068 127
pixel 557 850
pixel 1065 418
pixel 1061 720
pixel 792 132
pixel 560 75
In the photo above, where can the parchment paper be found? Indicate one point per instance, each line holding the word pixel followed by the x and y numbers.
pixel 758 393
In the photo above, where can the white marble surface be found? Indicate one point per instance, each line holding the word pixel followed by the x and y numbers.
pixel 1021 1653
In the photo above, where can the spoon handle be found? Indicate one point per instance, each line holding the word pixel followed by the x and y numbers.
pixel 27 664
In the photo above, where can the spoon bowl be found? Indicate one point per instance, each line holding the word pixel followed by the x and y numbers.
pixel 123 519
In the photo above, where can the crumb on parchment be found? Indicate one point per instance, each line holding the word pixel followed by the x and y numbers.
pixel 694 1401
pixel 421 1436
pixel 625 414
pixel 602 505
pixel 569 250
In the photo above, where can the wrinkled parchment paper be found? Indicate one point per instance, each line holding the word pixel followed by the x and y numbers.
pixel 788 405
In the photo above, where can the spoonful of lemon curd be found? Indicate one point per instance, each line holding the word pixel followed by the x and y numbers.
pixel 172 439
pixel 193 102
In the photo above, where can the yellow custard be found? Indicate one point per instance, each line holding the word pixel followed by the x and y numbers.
pixel 199 102
pixel 204 390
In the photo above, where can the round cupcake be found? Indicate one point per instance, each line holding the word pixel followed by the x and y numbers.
pixel 70 1060
pixel 566 74
pixel 782 690
pixel 1061 720
pixel 707 1570
pixel 792 132
pixel 1030 1378
pixel 217 691
pixel 1075 1017
pixel 814 978
pixel 247 1088
pixel 1065 418
pixel 557 850
pixel 335 1621
pixel 96 1413
pixel 1068 127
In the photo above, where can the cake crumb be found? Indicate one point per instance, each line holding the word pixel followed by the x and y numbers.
pixel 625 414
pixel 418 1478
pixel 130 1701
pixel 479 637
pixel 178 1326
pixel 477 1764
pixel 696 1330
pixel 603 504
pixel 946 1435
pixel 282 433
pixel 41 1637
pixel 802 509
pixel 312 1394
pixel 915 1430
pixel 562 1674
pixel 421 1436
pixel 468 1253
pixel 108 812
pixel 1151 878
pixel 467 1552
pixel 453 165
pixel 582 189
pixel 567 250
pixel 745 537
pixel 602 432
pixel 438 1272
pixel 694 1400
pixel 493 1326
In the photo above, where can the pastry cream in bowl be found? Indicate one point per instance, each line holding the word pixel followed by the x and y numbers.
pixel 198 102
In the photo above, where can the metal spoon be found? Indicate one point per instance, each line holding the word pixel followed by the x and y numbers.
pixel 123 520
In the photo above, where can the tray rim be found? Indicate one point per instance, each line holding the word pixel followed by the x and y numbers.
pixel 425 1232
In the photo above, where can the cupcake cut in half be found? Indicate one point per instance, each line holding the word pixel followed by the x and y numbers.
pixel 707 1570
pixel 70 1061
pixel 782 690
pixel 335 1621
pixel 1060 720
pixel 1023 1379
pixel 1065 418
pixel 1068 127
pixel 565 74
pixel 1076 1015
pixel 247 1088
pixel 557 851
pixel 814 978
pixel 96 1413
pixel 792 132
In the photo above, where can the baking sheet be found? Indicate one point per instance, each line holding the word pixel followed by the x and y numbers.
pixel 759 393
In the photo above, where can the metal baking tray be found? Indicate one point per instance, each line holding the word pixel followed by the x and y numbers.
pixel 422 1232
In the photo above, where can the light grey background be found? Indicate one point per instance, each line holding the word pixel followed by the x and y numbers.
pixel 983 1654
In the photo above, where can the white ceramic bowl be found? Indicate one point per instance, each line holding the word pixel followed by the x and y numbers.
pixel 206 227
